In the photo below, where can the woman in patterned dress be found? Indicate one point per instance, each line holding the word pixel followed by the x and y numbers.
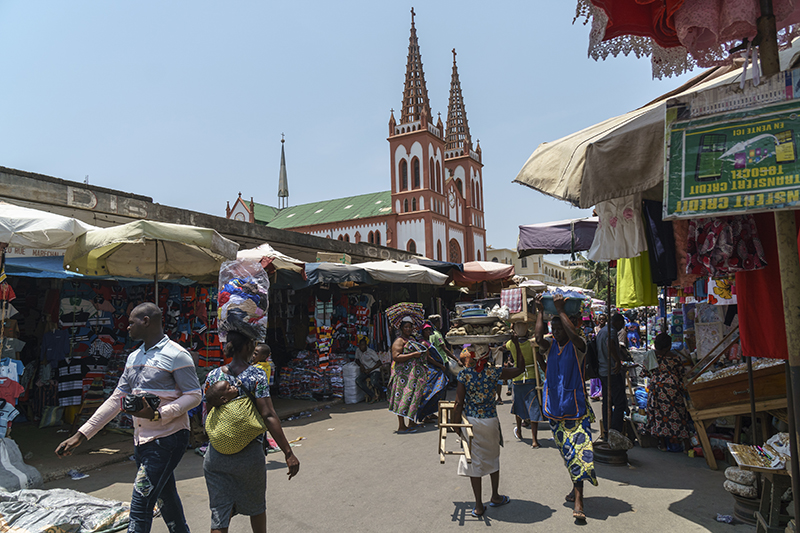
pixel 475 399
pixel 667 417
pixel 409 376
pixel 237 483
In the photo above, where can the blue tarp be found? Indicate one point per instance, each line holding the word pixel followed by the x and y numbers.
pixel 39 267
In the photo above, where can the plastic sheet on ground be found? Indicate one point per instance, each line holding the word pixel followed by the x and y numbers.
pixel 61 510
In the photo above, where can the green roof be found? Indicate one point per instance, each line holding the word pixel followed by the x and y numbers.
pixel 326 212
pixel 264 213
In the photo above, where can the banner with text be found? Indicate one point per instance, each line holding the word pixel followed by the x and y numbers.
pixel 734 163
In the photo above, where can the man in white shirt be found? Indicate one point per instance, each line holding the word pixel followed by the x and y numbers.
pixel 370 363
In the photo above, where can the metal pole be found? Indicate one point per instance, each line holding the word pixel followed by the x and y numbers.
pixel 607 386
pixel 792 442
pixel 155 277
pixel 752 391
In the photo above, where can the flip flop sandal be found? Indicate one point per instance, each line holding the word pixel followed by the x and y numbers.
pixel 516 433
pixel 579 516
pixel 570 497
pixel 504 501
pixel 475 514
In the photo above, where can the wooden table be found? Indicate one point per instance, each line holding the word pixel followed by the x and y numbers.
pixel 775 483
pixel 705 417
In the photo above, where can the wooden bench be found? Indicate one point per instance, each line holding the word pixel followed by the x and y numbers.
pixel 445 410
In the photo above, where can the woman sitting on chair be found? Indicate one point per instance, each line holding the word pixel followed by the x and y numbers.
pixel 475 399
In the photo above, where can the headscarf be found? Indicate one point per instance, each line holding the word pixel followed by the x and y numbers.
pixel 468 352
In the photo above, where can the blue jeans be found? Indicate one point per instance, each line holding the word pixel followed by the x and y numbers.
pixel 155 482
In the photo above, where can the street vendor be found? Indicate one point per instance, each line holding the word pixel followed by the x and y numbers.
pixel 565 400
pixel 613 388
pixel 409 375
pixel 369 380
pixel 526 404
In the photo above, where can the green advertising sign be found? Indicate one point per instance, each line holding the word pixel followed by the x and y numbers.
pixel 734 163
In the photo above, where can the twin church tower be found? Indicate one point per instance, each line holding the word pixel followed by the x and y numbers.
pixel 435 205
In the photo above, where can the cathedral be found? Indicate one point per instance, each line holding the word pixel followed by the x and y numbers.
pixel 435 205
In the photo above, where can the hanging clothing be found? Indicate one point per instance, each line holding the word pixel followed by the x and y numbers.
pixel 721 246
pixel 722 291
pixel 634 283
pixel 660 244
pixel 760 300
pixel 620 230
pixel 680 230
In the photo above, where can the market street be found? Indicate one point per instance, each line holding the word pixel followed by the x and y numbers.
pixel 357 475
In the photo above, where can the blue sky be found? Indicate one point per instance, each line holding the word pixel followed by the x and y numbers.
pixel 185 101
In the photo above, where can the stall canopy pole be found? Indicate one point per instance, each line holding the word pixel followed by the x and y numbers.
pixel 607 385
pixel 788 259
pixel 155 277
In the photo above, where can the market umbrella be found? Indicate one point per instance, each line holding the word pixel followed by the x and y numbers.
pixel 145 248
pixel 272 260
pixel 622 155
pixel 33 228
pixel 561 237
pixel 442 267
pixel 477 271
pixel 401 272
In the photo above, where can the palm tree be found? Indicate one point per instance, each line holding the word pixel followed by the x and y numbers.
pixel 594 276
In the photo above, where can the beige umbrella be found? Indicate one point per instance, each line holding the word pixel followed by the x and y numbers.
pixel 144 249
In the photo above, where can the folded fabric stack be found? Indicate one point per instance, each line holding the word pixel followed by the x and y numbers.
pixel 396 313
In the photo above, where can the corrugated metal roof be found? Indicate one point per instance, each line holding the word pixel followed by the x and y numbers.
pixel 328 211
pixel 264 213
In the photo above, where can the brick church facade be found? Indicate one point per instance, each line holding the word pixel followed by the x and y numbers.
pixel 435 205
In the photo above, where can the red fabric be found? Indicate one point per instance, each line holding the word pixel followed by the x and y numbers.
pixel 760 300
pixel 645 18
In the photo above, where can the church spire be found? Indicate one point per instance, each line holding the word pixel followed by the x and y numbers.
pixel 457 138
pixel 415 93
pixel 283 181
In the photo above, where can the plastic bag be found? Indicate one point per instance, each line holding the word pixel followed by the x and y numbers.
pixel 243 299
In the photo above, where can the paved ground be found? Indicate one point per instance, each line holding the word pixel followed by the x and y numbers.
pixel 357 475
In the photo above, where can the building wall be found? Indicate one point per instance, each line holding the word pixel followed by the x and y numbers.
pixel 533 266
pixel 439 236
pixel 411 229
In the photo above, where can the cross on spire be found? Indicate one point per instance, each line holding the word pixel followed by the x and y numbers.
pixel 415 91
pixel 454 55
pixel 412 16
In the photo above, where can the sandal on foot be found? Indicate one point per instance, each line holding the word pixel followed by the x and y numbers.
pixel 579 516
pixel 570 497
pixel 502 502
pixel 537 445
pixel 476 514
pixel 516 433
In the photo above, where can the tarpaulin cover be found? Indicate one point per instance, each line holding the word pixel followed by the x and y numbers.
pixel 760 302
pixel 60 510
pixel 477 271
pixel 402 272
pixel 439 266
pixel 271 259
pixel 336 273
pixel 39 267
pixel 561 237
pixel 33 228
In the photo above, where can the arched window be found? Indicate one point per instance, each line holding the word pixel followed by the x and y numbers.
pixel 371 238
pixel 405 205
pixel 403 175
pixel 479 255
pixel 524 262
pixel 413 204
pixel 346 237
pixel 438 250
pixel 494 260
pixel 460 186
pixel 415 167
pixel 454 251
pixel 474 199
pixel 340 237
pixel 378 238
pixel 438 177
pixel 478 195
pixel 357 237
pixel 431 176
pixel 411 246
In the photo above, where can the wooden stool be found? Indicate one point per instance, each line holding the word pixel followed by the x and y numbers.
pixel 445 410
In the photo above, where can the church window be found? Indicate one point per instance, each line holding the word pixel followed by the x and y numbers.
pixel 479 255
pixel 415 167
pixel 340 237
pixel 403 175
pixel 405 205
pixel 413 204
pixel 454 251
pixel 438 250
pixel 460 187
pixel 438 177
pixel 346 237
pixel 411 246
pixel 378 238
pixel 431 174
pixel 357 237
pixel 371 238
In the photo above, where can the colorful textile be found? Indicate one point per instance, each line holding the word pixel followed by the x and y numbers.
pixel 398 312
pixel 434 387
pixel 666 412
pixel 574 440
pixel 526 402
pixel 486 441
pixel 680 230
pixel 635 287
pixel 721 246
pixel 722 291
pixel 481 391
pixel 761 321
pixel 407 383
pixel 511 298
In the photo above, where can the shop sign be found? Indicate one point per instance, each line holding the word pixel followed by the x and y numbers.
pixel 745 161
